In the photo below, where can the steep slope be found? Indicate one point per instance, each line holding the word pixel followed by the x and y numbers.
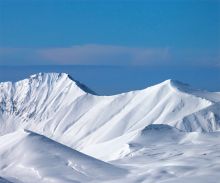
pixel 37 97
pixel 63 109
pixel 30 157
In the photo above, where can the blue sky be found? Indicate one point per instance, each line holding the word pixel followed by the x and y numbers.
pixel 138 32
pixel 178 34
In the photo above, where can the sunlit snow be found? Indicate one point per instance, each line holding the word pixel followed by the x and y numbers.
pixel 55 129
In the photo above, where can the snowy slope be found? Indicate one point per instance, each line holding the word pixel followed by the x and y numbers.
pixel 158 153
pixel 60 108
pixel 163 154
pixel 149 135
pixel 29 157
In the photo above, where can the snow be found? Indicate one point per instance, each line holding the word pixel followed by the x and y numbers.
pixel 180 157
pixel 30 157
pixel 169 155
pixel 55 129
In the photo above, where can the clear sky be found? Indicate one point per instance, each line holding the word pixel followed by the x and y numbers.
pixel 147 33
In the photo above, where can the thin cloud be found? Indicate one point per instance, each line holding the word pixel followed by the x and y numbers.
pixel 94 54
pixel 20 56
pixel 90 54
pixel 105 55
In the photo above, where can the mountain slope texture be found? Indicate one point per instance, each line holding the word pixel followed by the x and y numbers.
pixel 55 129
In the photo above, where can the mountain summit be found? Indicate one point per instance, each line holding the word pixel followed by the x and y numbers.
pixel 59 107
pixel 51 125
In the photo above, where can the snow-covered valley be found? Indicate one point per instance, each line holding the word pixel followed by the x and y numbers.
pixel 55 129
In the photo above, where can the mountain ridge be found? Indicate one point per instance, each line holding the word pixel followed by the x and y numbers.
pixel 55 106
pixel 175 84
pixel 54 129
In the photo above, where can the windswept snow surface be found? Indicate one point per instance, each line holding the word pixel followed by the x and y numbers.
pixel 165 133
pixel 30 157
pixel 167 155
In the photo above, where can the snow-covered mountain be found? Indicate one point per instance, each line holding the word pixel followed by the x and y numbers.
pixel 35 157
pixel 57 111
pixel 58 106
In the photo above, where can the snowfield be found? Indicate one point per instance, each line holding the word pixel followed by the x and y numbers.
pixel 55 129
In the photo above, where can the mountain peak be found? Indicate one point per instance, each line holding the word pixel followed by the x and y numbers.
pixel 52 77
pixel 178 85
pixel 175 83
